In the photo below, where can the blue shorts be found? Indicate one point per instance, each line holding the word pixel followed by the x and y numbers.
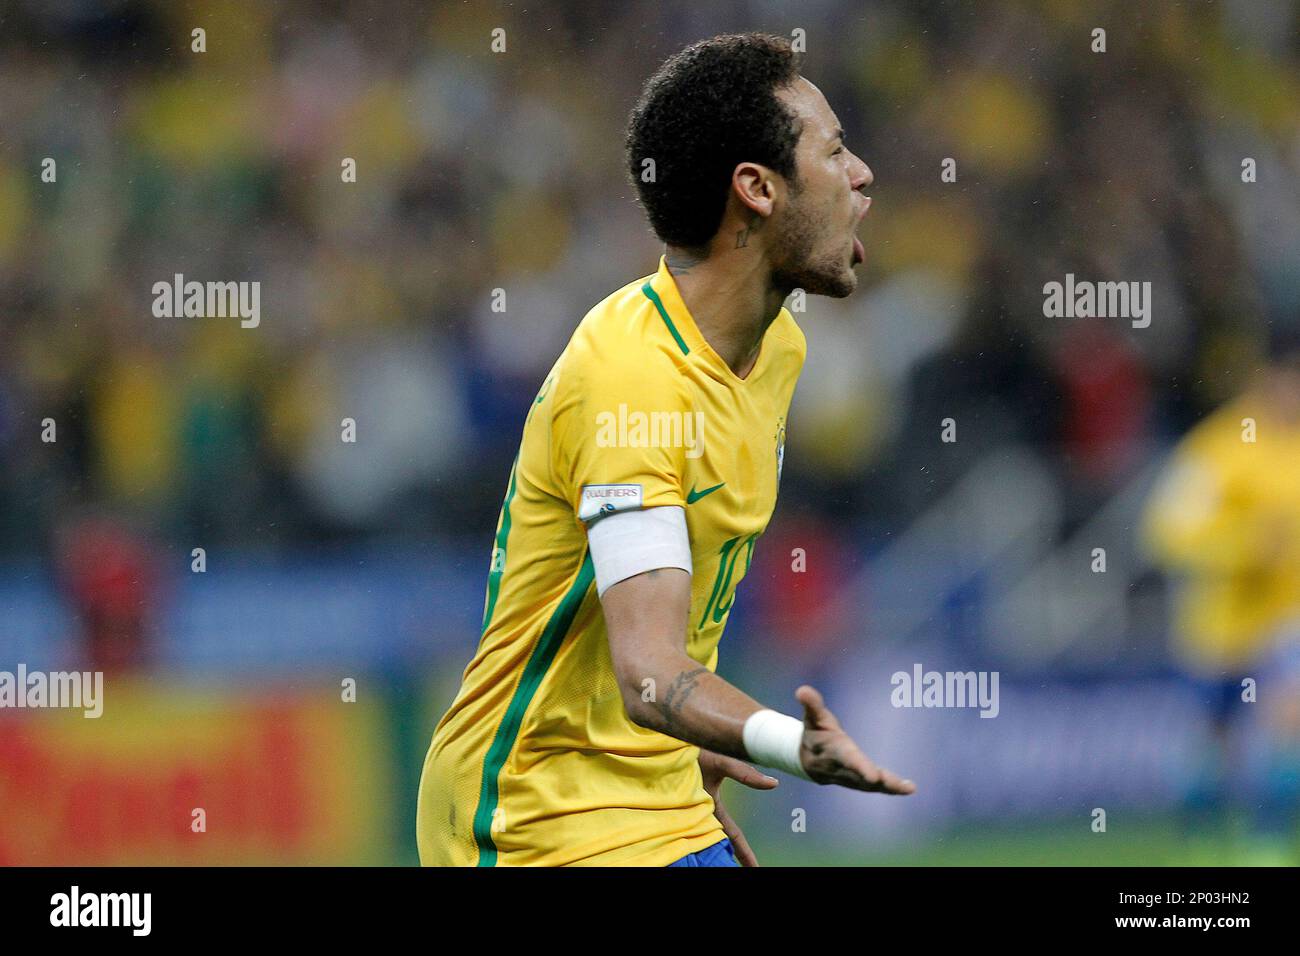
pixel 720 854
pixel 1221 697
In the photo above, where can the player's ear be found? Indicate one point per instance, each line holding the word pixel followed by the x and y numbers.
pixel 755 187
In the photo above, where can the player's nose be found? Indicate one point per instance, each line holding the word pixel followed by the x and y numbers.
pixel 860 174
pixel 865 176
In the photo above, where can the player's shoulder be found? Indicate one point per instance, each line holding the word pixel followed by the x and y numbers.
pixel 624 329
pixel 1220 430
pixel 1214 446
pixel 622 348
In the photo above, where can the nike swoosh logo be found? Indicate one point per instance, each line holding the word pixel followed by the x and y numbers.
pixel 693 496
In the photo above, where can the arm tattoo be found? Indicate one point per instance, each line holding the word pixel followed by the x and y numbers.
pixel 679 692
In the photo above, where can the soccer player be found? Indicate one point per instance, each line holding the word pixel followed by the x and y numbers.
pixel 1224 521
pixel 590 727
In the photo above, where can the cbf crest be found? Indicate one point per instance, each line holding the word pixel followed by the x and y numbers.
pixel 780 448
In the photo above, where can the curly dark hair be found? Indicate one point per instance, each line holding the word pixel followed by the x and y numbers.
pixel 707 109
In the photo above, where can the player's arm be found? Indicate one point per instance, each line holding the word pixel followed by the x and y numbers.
pixel 664 689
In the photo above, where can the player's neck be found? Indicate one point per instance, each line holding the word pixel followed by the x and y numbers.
pixel 731 298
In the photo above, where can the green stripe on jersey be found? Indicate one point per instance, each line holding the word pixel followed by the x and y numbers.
pixel 548 645
pixel 498 567
pixel 653 296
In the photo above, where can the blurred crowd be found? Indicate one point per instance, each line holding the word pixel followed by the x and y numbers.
pixel 489 171
pixel 425 297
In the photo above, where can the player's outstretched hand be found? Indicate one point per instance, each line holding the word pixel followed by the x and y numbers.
pixel 716 768
pixel 829 755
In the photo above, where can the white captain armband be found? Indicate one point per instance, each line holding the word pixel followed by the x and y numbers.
pixel 627 543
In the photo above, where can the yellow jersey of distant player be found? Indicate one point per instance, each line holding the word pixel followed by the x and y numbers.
pixel 1226 519
pixel 536 762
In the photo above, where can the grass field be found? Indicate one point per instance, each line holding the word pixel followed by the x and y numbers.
pixel 1149 841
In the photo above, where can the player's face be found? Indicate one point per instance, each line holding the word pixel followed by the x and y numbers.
pixel 816 247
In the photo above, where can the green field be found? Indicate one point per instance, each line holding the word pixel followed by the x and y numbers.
pixel 1149 841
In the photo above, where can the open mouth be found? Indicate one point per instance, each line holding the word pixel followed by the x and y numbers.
pixel 859 250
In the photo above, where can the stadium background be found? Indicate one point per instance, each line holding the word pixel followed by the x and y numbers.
pixel 478 171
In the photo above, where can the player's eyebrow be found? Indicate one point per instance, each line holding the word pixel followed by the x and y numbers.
pixel 837 133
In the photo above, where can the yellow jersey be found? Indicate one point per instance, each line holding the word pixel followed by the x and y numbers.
pixel 536 762
pixel 1226 519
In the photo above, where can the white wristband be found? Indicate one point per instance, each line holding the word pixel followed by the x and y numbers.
pixel 773 740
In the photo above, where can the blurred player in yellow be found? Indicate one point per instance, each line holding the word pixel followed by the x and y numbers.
pixel 1225 520
pixel 590 727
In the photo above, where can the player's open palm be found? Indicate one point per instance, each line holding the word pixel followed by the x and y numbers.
pixel 829 755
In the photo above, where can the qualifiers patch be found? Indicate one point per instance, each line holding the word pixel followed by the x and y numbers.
pixel 599 500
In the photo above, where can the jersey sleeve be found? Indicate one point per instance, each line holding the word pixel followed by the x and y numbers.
pixel 620 438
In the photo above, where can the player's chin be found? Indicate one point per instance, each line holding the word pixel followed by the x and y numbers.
pixel 834 285
pixel 843 283
pixel 846 286
pixel 831 276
